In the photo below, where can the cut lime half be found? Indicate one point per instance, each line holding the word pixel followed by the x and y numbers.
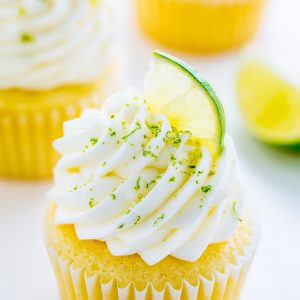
pixel 270 105
pixel 175 89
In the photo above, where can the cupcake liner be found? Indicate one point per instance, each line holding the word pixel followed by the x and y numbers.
pixel 74 283
pixel 200 26
pixel 29 125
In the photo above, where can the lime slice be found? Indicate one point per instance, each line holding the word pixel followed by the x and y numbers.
pixel 271 105
pixel 175 89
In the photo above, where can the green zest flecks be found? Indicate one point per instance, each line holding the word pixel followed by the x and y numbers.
pixel 92 203
pixel 174 137
pixel 206 188
pixel 137 219
pixel 159 219
pixel 235 213
pixel 111 132
pixel 26 38
pixel 173 159
pixel 155 128
pixel 94 141
pixel 150 154
pixel 137 185
pixel 138 127
pixel 172 179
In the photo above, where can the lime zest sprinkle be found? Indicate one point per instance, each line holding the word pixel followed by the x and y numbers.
pixel 137 219
pixel 103 164
pixel 172 179
pixel 94 141
pixel 121 226
pixel 159 219
pixel 173 159
pixel 112 116
pixel 139 126
pixel 199 173
pixel 211 173
pixel 113 196
pixel 206 188
pixel 155 128
pixel 26 38
pixel 174 137
pixel 111 132
pixel 138 186
pixel 235 213
pixel 148 184
pixel 91 202
pixel 149 153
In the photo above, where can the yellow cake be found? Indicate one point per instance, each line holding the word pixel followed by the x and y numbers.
pixel 142 208
pixel 55 62
pixel 200 25
pixel 87 270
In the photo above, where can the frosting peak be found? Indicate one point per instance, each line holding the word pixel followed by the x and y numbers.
pixel 127 177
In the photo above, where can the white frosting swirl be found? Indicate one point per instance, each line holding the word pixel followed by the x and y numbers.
pixel 48 43
pixel 128 178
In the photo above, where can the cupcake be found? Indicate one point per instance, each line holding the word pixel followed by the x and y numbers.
pixel 143 208
pixel 56 58
pixel 200 25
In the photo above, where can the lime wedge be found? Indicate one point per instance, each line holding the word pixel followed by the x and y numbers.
pixel 175 89
pixel 271 105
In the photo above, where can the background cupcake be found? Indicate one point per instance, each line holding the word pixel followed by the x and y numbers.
pixel 143 210
pixel 56 57
pixel 200 25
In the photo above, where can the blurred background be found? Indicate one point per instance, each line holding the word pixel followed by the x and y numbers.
pixel 270 174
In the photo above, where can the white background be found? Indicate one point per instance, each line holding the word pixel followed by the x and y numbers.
pixel 271 178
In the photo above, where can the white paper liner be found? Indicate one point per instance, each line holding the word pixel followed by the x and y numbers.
pixel 76 285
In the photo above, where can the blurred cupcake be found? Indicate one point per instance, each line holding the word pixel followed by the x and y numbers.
pixel 200 26
pixel 56 58
pixel 141 210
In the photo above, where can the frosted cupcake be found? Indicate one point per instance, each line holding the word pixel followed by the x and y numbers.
pixel 56 58
pixel 143 210
pixel 200 25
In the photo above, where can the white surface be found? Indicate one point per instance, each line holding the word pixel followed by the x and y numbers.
pixel 271 177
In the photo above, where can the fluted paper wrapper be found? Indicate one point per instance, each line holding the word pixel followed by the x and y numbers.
pixel 76 285
pixel 28 128
pixel 200 26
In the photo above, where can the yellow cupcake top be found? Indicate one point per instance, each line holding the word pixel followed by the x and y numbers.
pixel 44 44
